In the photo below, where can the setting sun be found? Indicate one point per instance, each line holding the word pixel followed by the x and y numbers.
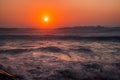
pixel 46 19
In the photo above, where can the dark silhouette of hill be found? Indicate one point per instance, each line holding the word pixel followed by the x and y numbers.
pixel 90 29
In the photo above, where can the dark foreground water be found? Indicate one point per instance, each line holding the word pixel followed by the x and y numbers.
pixel 61 59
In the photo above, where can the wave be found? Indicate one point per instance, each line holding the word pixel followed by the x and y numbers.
pixel 84 51
pixel 73 71
pixel 52 49
pixel 14 51
pixel 59 37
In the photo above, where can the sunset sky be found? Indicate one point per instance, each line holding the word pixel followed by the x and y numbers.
pixel 60 13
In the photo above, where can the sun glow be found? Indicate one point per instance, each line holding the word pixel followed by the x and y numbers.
pixel 46 19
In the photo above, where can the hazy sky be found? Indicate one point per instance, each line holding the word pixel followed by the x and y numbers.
pixel 29 13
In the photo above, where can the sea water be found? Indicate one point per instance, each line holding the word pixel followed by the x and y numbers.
pixel 61 59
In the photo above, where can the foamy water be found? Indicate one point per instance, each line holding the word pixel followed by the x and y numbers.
pixel 60 59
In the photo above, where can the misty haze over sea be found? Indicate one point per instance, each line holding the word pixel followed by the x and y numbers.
pixel 67 31
pixel 71 53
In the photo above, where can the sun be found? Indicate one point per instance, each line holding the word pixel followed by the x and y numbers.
pixel 46 19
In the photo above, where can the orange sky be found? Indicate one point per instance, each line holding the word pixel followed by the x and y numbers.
pixel 29 13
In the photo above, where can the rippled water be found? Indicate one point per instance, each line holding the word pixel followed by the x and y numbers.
pixel 61 59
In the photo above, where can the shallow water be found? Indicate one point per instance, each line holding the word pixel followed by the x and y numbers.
pixel 61 59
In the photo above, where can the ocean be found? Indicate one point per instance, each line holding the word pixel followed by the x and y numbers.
pixel 66 56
